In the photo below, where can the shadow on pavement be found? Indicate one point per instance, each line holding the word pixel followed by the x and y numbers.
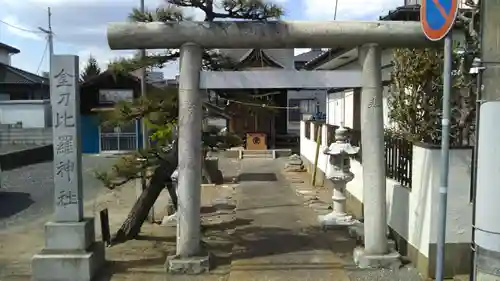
pixel 111 268
pixel 257 177
pixel 246 242
pixel 266 241
pixel 12 202
pixel 217 207
pixel 156 238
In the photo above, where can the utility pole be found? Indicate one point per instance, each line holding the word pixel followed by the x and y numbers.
pixel 335 13
pixel 145 138
pixel 144 130
pixel 487 210
pixel 50 38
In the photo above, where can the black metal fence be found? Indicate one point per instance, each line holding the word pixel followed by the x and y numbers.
pixel 398 159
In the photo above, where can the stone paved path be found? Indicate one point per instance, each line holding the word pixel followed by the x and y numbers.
pixel 278 238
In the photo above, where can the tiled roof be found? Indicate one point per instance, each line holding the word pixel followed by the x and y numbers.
pixel 309 55
pixel 258 57
pixel 13 75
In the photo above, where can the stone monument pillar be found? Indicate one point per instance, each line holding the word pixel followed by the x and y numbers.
pixel 71 252
pixel 339 153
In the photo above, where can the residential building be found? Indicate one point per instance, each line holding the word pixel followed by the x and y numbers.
pixel 101 93
pixel 306 102
pixel 24 96
pixel 6 52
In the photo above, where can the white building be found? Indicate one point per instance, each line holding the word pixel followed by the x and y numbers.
pixel 24 96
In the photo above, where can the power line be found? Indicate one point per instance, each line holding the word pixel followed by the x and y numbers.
pixel 263 105
pixel 43 57
pixel 20 28
pixel 50 37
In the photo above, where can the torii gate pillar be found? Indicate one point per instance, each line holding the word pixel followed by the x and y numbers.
pixel 190 133
pixel 376 252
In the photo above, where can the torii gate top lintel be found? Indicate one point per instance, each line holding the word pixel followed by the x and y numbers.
pixel 266 35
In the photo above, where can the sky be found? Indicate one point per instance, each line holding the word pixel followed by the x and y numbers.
pixel 80 25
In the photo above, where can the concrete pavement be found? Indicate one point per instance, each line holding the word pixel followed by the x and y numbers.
pixel 279 238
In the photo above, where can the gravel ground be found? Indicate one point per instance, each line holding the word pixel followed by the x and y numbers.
pixel 405 273
pixel 301 182
pixel 27 193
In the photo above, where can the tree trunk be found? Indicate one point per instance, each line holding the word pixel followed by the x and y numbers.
pixel 131 227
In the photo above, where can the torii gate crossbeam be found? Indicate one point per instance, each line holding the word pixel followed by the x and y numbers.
pixel 192 37
pixel 266 35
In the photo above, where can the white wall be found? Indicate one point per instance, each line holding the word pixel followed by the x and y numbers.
pixel 4 57
pixel 340 107
pixel 32 113
pixel 413 212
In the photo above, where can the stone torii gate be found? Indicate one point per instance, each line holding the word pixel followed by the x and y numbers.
pixel 193 37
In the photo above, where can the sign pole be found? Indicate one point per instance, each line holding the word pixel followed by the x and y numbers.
pixel 437 18
pixel 445 152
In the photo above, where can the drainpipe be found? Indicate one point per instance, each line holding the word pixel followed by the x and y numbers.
pixel 477 68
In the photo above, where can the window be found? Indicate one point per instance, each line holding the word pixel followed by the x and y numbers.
pixel 114 96
pixel 308 106
pixel 304 106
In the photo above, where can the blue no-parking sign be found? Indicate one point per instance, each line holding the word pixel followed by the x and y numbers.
pixel 437 17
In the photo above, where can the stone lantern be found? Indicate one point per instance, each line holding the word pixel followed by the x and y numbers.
pixel 339 153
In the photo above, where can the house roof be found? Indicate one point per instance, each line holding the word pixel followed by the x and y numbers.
pixel 257 56
pixel 307 56
pixel 9 48
pixel 13 75
pixel 104 74
pixel 403 13
pixel 324 57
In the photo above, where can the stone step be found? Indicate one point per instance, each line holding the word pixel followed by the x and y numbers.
pixel 257 156
pixel 257 152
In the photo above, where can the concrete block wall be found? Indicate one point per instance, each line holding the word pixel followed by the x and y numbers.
pixel 412 213
pixel 39 136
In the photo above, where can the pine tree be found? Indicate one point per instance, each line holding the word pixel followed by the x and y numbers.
pixel 160 110
pixel 91 69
